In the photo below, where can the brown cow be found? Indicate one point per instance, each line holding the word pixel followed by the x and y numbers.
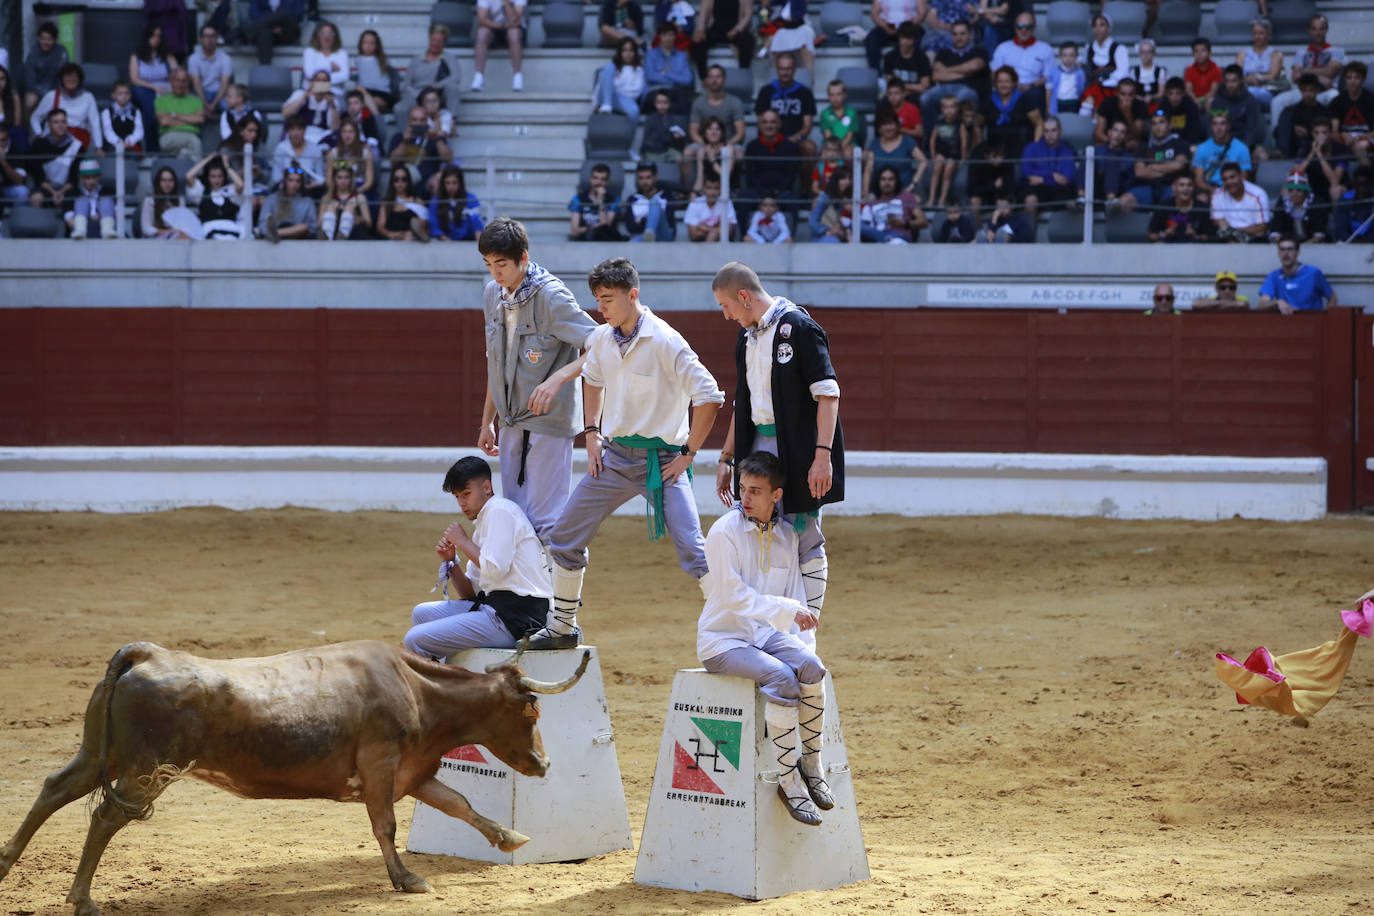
pixel 356 721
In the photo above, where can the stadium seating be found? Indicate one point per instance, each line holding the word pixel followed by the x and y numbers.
pixel 459 17
pixel 740 83
pixel 609 135
pixel 1179 21
pixel 100 79
pixel 1127 227
pixel 270 85
pixel 1233 18
pixel 1078 129
pixel 1128 20
pixel 616 184
pixel 108 178
pixel 1289 18
pixel 1270 176
pixel 1064 226
pixel 861 84
pixel 1069 20
pixel 837 15
pixel 563 25
pixel 35 223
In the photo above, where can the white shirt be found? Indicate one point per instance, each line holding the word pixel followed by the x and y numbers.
pixel 1120 62
pixel 897 11
pixel 756 585
pixel 699 213
pixel 313 62
pixel 758 368
pixel 774 232
pixel 512 557
pixel 1252 208
pixel 648 390
pixel 497 10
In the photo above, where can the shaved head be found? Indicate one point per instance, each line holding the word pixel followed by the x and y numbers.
pixel 736 276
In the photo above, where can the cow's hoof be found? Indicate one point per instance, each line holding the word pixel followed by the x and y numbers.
pixel 85 908
pixel 511 841
pixel 414 884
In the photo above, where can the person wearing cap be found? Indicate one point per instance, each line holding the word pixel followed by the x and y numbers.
pixel 87 208
pixel 1163 300
pixel 1164 157
pixel 1226 298
pixel 1295 287
pixel 1296 214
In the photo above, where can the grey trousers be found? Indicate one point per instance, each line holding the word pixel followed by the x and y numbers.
pixel 548 472
pixel 440 628
pixel 779 668
pixel 623 476
pixel 810 543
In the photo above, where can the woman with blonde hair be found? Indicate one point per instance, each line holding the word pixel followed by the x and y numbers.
pixel 326 53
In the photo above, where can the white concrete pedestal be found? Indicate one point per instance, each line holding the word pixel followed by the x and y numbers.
pixel 715 822
pixel 576 811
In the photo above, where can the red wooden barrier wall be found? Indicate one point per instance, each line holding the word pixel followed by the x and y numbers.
pixel 1364 447
pixel 927 380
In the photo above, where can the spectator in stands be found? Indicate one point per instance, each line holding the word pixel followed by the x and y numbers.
pixel 1010 114
pixel 723 22
pixel 830 160
pixel 41 67
pixel 1066 83
pixel 121 124
pixel 620 82
pixel 150 69
pixel 1163 300
pixel 990 176
pixel 216 199
pixel 957 226
pixel 83 112
pixel 374 70
pixel 1297 215
pixel 1203 75
pixel 620 19
pixel 682 14
pixel 501 21
pixel 888 17
pixel 1126 108
pixel 53 156
pixel 326 53
pixel 831 218
pixel 894 101
pixel 893 214
pixel 237 111
pixel 1164 157
pixel 1210 156
pixel 170 16
pixel 88 211
pixel 1226 298
pixel 1029 58
pixel 257 172
pixel 1354 217
pixel 768 226
pixel 273 22
pixel 435 67
pixel 440 120
pixel 838 120
pixel 180 115
pixel 994 21
pixel 1108 61
pixel 403 217
pixel 455 213
pixel 358 109
pixel 708 155
pixel 343 212
pixel 594 209
pixel 1184 220
pixel 295 151
pixel 708 213
pixel 290 212
pixel 1320 60
pixel 166 195
pixel 1006 224
pixel 667 68
pixel 360 155
pixel 1240 210
pixel 1049 171
pixel 1115 171
pixel 420 148
pixel 714 102
pixel 14 176
pixel 317 106
pixel 1261 64
pixel 663 133
pixel 1324 166
pixel 211 71
pixel 1185 119
pixel 789 33
pixel 793 102
pixel 1352 111
pixel 907 64
pixel 1243 108
pixel 646 214
pixel 12 112
pixel 1295 287
pixel 1148 75
pixel 939 22
pixel 961 69
pixel 890 147
pixel 949 146
pixel 1293 130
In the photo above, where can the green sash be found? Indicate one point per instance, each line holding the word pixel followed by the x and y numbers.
pixel 654 481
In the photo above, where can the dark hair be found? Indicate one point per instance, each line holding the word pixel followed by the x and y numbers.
pixel 1010 71
pixel 9 100
pixel 832 184
pixel 1200 40
pixel 445 220
pixel 1065 45
pixel 1365 171
pixel 57 111
pixel 706 122
pixel 883 170
pixel 715 67
pixel 216 163
pixel 1233 70
pixel 162 202
pixel 1175 82
pixel 601 168
pixel 380 55
pixel 391 194
pixel 505 237
pixel 616 273
pixel 1230 167
pixel 620 46
pixel 909 29
pixel 293 122
pixel 647 167
pixel 465 471
pixel 69 68
pixel 1290 237
pixel 653 96
pixel 1355 66
pixel 146 52
pixel 426 93
pixel 761 464
pixel 117 83
pixel 1309 79
pixel 48 28
pixel 885 116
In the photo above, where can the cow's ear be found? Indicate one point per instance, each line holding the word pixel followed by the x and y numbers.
pixel 531 708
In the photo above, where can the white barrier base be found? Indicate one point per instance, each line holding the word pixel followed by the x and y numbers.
pixel 576 811
pixel 715 822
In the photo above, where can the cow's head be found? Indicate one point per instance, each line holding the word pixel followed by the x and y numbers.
pixel 515 729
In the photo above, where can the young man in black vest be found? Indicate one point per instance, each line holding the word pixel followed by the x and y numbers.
pixel 788 403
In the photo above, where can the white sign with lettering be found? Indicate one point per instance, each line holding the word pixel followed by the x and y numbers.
pixel 1055 295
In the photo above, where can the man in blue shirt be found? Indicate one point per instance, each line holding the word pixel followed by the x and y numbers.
pixel 1295 287
pixel 1211 155
pixel 1049 170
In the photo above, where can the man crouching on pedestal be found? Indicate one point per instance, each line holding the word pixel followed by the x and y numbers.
pixel 755 610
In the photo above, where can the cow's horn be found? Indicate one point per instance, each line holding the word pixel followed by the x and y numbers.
pixel 545 687
pixel 514 659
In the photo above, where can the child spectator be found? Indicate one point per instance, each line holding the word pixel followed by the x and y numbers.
pixel 1108 60
pixel 646 214
pixel 150 70
pixel 968 116
pixel 216 198
pixel 1149 75
pixel 343 213
pixel 1294 129
pixel 316 106
pixel 88 209
pixel 710 153
pixel 708 213
pixel 667 67
pixel 1067 82
pixel 620 82
pixel 326 54
pixel 294 150
pixel 14 177
pixel 663 133
pixel 166 196
pixel 1296 214
pixel 831 219
pixel 359 155
pixel 1185 118
pixel 237 110
pixel 908 62
pixel 455 214
pixel 838 121
pixel 375 74
pixel 894 214
pixel 957 226
pixel 895 102
pixel 1006 224
pixel 1184 219
pixel 403 217
pixel 289 213
pixel 83 113
pixel 1324 166
pixel 990 176
pixel 830 160
pixel 42 66
pixel 593 210
pixel 1202 76
pixel 768 226
pixel 54 156
pixel 949 145
pixel 359 109
pixel 258 172
pixel 122 123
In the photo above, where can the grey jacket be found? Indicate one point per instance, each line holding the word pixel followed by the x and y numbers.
pixel 550 330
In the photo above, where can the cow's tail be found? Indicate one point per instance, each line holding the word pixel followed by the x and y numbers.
pixel 151 784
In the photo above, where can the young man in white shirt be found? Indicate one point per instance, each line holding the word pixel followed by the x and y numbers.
pixel 504 591
pixel 751 627
pixel 1240 210
pixel 640 379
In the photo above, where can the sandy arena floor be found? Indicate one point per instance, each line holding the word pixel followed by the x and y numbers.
pixel 1032 718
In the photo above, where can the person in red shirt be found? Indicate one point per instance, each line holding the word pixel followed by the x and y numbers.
pixel 1203 76
pixel 895 100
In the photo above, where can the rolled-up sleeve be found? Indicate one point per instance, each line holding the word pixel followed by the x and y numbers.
pixel 697 380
